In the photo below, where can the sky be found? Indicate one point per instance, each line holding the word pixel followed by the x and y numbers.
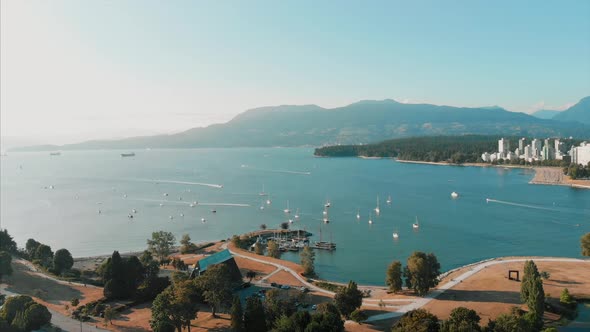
pixel 77 70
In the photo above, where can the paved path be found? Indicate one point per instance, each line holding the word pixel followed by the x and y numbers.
pixel 418 303
pixel 38 273
pixel 414 303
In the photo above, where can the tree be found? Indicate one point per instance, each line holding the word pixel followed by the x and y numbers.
pixel 509 323
pixel 300 320
pixel 393 278
pixel 272 249
pixel 31 247
pixel 418 320
pixel 566 298
pixel 44 255
pixel 62 260
pixel 216 285
pixel 36 315
pixel 161 244
pixel 254 316
pixel 121 276
pixel 358 316
pixel 285 225
pixel 74 302
pixel 237 315
pixel 109 315
pixel 421 272
pixel 326 319
pixel 186 245
pixel 532 293
pixel 250 275
pixel 284 324
pixel 348 299
pixel 585 244
pixel 263 227
pixel 5 264
pixel 6 242
pixel 258 249
pixel 461 320
pixel 307 261
pixel 174 307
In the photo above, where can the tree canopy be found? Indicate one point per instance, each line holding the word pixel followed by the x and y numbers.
pixel 348 299
pixel 62 260
pixel 307 261
pixel 160 245
pixel 393 277
pixel 461 320
pixel 216 286
pixel 418 320
pixel 585 244
pixel 5 264
pixel 24 314
pixel 6 242
pixel 421 272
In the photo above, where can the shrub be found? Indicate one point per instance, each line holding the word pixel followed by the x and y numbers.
pixel 358 316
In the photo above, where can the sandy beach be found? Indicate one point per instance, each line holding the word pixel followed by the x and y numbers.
pixel 543 175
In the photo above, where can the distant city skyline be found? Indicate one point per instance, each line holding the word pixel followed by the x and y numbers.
pixel 72 71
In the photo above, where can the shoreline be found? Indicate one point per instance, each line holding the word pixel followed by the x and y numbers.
pixel 544 175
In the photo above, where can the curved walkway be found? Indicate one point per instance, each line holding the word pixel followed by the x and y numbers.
pixel 414 303
pixel 475 269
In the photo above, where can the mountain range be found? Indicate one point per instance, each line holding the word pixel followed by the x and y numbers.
pixel 362 122
pixel 580 112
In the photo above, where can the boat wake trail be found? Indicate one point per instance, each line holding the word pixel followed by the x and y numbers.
pixel 225 204
pixel 276 170
pixel 212 185
pixel 490 200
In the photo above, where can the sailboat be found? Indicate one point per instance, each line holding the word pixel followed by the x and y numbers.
pixel 370 220
pixel 326 219
pixel 268 200
pixel 297 214
pixel 262 205
pixel 358 214
pixel 377 210
pixel 388 200
pixel 395 235
pixel 263 193
pixel 416 224
pixel 287 210
pixel 328 204
pixel 454 194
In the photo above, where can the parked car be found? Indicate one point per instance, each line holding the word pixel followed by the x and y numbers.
pixel 314 307
pixel 274 284
pixel 285 287
pixel 304 289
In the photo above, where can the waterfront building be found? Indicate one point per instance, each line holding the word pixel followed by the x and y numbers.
pixel 485 157
pixel 536 144
pixel 528 153
pixel 547 153
pixel 581 154
pixel 521 144
pixel 503 146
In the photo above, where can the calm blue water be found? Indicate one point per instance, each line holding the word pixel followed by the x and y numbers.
pixel 533 220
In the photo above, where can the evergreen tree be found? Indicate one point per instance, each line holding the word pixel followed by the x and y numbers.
pixel 62 261
pixel 5 264
pixel 348 299
pixel 237 315
pixel 307 261
pixel 532 293
pixel 254 317
pixel 393 278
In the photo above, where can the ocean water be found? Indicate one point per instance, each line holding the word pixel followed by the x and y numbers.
pixel 521 219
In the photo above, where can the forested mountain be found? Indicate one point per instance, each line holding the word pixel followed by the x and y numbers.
pixel 361 122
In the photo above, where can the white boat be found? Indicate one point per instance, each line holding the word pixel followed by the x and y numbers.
pixel 487 200
pixel 287 210
pixel 170 217
pixel 377 210
pixel 416 224
pixel 134 211
pixel 130 216
pixel 262 205
pixel 161 204
pixel 165 194
pixel 268 200
pixel 182 214
pixel 388 201
pixel 328 204
pixel 358 214
pixel 297 214
pixel 370 220
pixel 191 205
pixel 124 195
pixel 325 212
pixel 195 203
pixel 326 220
pixel 395 235
pixel 454 194
pixel 203 220
pixel 290 221
pixel 263 193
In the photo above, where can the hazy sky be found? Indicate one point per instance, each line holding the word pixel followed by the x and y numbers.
pixel 73 70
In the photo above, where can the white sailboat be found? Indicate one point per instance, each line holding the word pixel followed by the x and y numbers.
pixel 263 193
pixel 416 224
pixel 262 205
pixel 203 220
pixel 268 200
pixel 328 204
pixel 395 235
pixel 358 214
pixel 297 214
pixel 377 210
pixel 388 201
pixel 454 194
pixel 370 220
pixel 287 210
